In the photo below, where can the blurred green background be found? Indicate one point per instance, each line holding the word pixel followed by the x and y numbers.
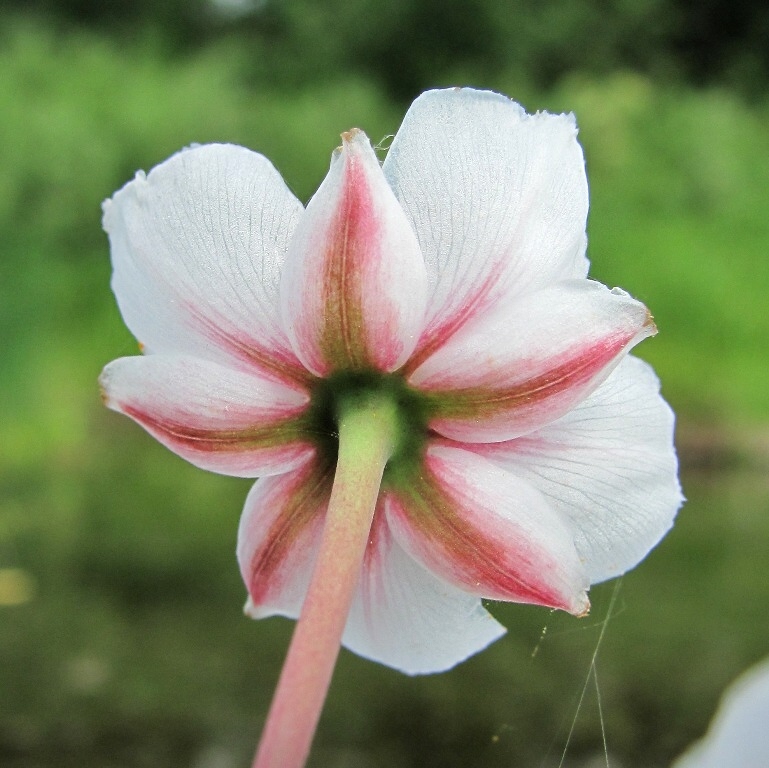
pixel 121 637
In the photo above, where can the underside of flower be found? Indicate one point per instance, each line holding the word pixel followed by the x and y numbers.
pixel 439 405
pixel 333 395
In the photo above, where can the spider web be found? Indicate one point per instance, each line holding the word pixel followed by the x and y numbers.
pixel 591 676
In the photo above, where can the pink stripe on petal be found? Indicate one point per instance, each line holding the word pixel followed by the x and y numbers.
pixel 278 538
pixel 198 246
pixel 354 287
pixel 408 618
pixel 217 418
pixel 374 564
pixel 609 466
pixel 520 408
pixel 528 364
pixel 487 532
pixel 267 357
pixel 479 300
pixel 498 200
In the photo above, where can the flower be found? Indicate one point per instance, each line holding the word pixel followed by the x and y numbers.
pixel 534 456
pixel 737 737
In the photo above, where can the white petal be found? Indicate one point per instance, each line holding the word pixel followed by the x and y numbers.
pixel 738 736
pixel 529 362
pixel 279 537
pixel 197 251
pixel 486 531
pixel 498 200
pixel 609 466
pixel 408 618
pixel 218 418
pixel 353 291
pixel 402 615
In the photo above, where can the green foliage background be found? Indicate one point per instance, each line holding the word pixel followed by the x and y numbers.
pixel 121 639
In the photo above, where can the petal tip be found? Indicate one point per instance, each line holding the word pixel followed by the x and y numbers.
pixel 355 143
pixel 649 325
pixel 103 383
pixel 354 134
pixel 581 606
pixel 105 399
pixel 251 610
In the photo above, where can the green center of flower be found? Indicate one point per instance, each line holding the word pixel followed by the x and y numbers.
pixel 347 389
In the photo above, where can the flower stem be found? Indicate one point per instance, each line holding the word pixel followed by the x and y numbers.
pixel 367 437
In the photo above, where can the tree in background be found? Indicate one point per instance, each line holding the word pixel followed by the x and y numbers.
pixel 408 45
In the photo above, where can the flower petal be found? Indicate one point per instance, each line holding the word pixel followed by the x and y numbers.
pixel 408 618
pixel 217 418
pixel 353 291
pixel 279 536
pixel 498 200
pixel 609 466
pixel 528 364
pixel 197 250
pixel 487 532
pixel 737 736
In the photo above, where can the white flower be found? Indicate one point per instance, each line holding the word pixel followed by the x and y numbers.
pixel 534 456
pixel 738 737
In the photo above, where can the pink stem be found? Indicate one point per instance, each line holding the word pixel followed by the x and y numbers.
pixel 366 442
